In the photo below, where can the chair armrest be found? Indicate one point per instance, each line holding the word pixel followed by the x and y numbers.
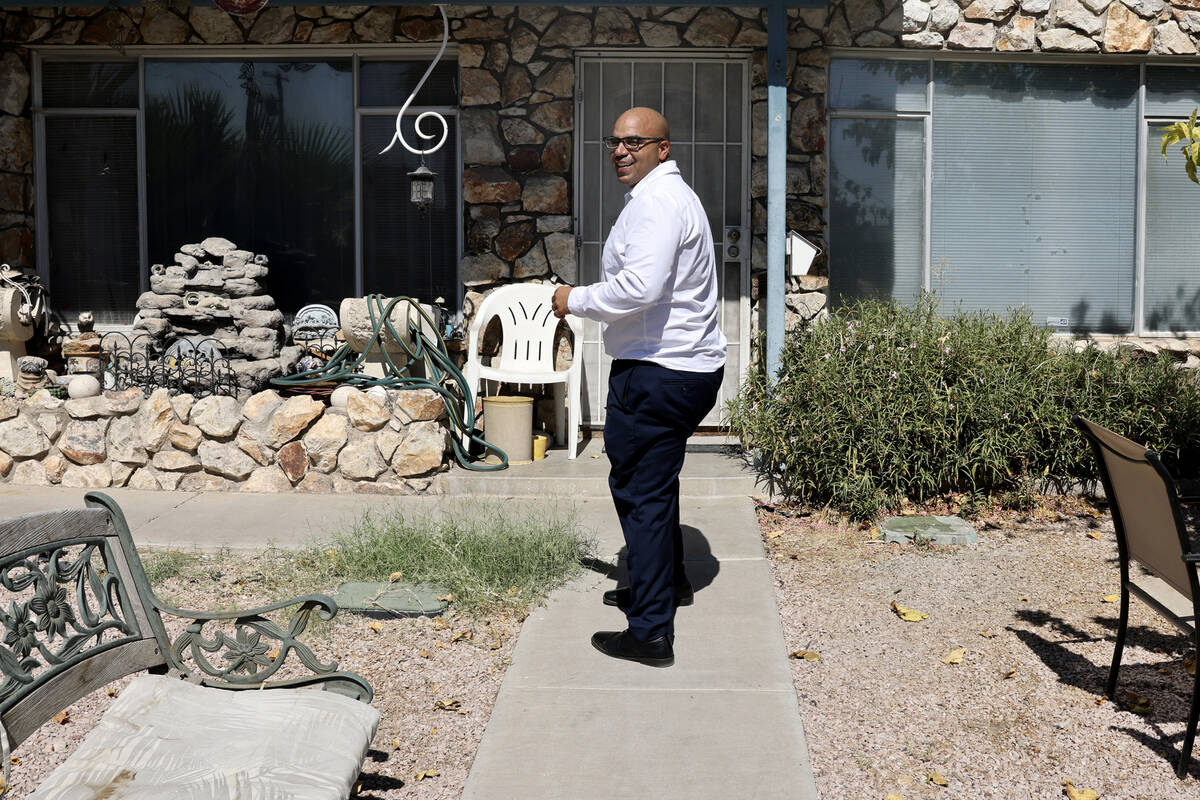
pixel 1191 558
pixel 252 648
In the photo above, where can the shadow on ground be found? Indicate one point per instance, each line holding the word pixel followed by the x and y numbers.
pixel 1140 679
pixel 702 566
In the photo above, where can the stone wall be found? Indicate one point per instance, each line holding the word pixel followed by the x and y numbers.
pixel 16 159
pixel 268 444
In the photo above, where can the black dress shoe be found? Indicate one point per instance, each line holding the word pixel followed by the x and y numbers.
pixel 622 597
pixel 623 644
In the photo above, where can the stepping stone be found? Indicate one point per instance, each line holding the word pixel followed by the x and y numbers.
pixel 392 599
pixel 932 529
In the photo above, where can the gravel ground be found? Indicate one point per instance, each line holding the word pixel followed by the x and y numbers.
pixel 1025 709
pixel 413 664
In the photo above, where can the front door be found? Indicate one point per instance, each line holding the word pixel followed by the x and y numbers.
pixel 706 102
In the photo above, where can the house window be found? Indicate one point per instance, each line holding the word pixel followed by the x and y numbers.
pixel 1171 297
pixel 1000 184
pixel 279 155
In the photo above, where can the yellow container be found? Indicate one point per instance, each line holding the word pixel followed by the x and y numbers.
pixel 540 442
pixel 508 424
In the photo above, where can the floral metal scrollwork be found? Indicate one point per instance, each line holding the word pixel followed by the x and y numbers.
pixel 256 647
pixel 398 136
pixel 75 604
pixel 200 371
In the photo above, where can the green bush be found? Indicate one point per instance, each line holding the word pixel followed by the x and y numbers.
pixel 881 402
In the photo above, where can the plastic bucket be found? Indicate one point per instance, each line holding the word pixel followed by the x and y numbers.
pixel 508 424
pixel 540 442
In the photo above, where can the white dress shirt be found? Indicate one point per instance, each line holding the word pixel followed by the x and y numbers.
pixel 657 296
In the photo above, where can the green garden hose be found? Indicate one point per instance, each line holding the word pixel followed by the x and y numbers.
pixel 441 374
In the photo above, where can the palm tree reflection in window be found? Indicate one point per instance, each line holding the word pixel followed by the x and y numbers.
pixel 227 156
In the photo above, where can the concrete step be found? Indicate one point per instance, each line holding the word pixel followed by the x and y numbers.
pixel 705 474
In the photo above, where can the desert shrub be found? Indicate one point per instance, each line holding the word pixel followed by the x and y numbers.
pixel 880 402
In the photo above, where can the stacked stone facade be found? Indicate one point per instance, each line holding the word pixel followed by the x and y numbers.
pixel 268 444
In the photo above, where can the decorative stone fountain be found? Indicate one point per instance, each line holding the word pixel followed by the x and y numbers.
pixel 215 290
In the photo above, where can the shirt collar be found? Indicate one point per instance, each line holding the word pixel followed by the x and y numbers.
pixel 665 168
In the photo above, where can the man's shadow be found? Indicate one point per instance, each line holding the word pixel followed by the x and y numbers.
pixel 698 561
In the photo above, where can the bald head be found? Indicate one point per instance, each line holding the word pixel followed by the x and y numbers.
pixel 645 121
pixel 640 123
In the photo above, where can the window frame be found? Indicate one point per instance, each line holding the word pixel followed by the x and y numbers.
pixel 1144 123
pixel 357 53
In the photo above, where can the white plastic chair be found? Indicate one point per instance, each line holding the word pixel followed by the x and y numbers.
pixel 527 325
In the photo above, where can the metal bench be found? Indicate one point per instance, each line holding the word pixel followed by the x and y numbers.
pixel 1151 533
pixel 78 613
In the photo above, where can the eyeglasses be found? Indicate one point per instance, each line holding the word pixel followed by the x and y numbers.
pixel 632 143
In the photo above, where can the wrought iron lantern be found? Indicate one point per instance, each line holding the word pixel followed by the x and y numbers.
pixel 421 187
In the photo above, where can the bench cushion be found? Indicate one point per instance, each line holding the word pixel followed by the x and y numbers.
pixel 165 738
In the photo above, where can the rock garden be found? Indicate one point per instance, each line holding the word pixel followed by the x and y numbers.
pixel 383 442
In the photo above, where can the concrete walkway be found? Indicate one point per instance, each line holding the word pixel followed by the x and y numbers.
pixel 569 723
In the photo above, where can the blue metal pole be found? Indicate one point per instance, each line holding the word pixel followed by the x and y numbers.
pixel 776 178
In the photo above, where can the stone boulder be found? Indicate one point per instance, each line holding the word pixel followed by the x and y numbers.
pixel 366 413
pixel 226 460
pixel 291 419
pixel 218 417
pixel 83 441
pixel 267 480
pixel 325 440
pixel 360 460
pixel 154 420
pixel 422 449
pixel 125 442
pixel 91 476
pixel 20 438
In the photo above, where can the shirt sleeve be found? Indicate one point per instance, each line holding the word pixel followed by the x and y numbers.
pixel 651 250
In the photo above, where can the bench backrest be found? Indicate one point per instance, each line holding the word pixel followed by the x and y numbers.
pixel 1145 506
pixel 74 613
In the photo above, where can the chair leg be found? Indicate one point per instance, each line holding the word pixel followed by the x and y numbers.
pixel 1189 736
pixel 473 382
pixel 573 414
pixel 1122 626
pixel 560 413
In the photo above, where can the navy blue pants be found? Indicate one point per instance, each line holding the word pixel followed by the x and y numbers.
pixel 651 412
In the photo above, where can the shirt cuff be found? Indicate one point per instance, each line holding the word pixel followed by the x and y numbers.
pixel 576 300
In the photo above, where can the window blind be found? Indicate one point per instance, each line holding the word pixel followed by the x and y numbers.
pixel 877 208
pixel 1033 191
pixel 1171 297
pixel 877 84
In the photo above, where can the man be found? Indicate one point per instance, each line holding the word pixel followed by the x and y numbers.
pixel 658 301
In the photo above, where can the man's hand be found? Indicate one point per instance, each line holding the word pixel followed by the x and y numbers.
pixel 559 301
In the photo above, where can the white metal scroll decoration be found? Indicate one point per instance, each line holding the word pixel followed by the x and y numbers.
pixel 398 136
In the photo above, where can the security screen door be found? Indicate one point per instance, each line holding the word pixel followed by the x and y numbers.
pixel 705 100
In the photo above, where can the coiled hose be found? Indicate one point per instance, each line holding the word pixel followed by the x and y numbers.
pixel 443 376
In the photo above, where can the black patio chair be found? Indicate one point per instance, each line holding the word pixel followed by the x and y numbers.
pixel 1150 531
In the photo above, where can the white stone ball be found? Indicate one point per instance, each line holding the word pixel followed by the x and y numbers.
pixel 379 393
pixel 83 386
pixel 341 396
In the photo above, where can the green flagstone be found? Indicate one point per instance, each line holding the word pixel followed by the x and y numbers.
pixel 401 599
pixel 933 529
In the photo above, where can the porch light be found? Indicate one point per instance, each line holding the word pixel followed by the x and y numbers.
pixel 421 187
